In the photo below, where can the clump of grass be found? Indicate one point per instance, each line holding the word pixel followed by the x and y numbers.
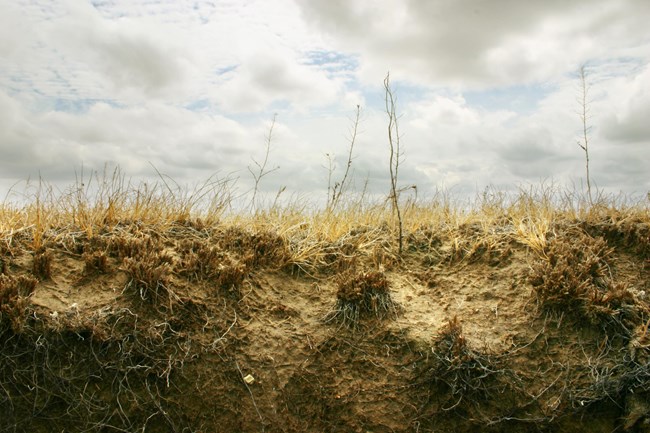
pixel 574 276
pixel 134 245
pixel 458 374
pixel 474 242
pixel 202 261
pixel 360 295
pixel 625 228
pixel 199 260
pixel 262 247
pixel 14 291
pixel 149 277
pixel 12 287
pixel 42 264
pixel 95 262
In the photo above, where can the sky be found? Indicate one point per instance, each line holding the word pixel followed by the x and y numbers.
pixel 488 93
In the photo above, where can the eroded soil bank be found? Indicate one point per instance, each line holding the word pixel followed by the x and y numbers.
pixel 216 329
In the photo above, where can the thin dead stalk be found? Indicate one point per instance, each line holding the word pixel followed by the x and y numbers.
pixel 584 117
pixel 261 169
pixel 393 141
pixel 340 187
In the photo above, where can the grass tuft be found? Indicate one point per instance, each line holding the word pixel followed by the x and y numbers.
pixel 459 376
pixel 42 264
pixel 575 277
pixel 95 262
pixel 14 292
pixel 361 295
pixel 150 277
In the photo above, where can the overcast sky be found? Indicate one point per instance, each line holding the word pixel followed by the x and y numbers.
pixel 487 90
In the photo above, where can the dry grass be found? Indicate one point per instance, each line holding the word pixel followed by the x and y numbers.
pixel 457 375
pixel 14 291
pixel 575 278
pixel 303 238
pixel 361 295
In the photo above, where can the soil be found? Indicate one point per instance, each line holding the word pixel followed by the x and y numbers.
pixel 213 329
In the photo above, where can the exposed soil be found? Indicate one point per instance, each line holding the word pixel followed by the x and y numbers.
pixel 215 329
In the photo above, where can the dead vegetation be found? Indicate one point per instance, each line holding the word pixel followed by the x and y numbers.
pixel 150 310
pixel 575 278
pixel 362 295
pixel 458 376
pixel 14 294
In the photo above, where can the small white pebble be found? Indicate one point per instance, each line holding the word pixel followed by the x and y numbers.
pixel 249 379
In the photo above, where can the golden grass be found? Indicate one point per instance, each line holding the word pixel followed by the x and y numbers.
pixel 313 236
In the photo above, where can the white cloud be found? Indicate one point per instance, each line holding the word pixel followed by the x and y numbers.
pixel 480 44
pixel 629 103
pixel 15 39
pixel 266 76
pixel 128 59
pixel 450 111
pixel 176 140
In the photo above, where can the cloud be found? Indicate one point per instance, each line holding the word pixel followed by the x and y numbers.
pixel 15 39
pixel 478 44
pixel 17 135
pixel 71 51
pixel 180 142
pixel 131 58
pixel 628 122
pixel 276 75
pixel 450 111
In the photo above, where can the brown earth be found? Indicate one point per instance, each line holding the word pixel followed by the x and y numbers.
pixel 216 329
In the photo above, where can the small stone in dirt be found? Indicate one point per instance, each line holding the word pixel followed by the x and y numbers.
pixel 249 379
